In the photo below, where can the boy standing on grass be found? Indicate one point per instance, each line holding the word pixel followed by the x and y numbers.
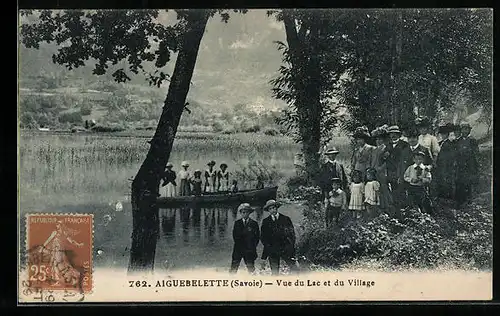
pixel 335 202
pixel 418 177
pixel 246 236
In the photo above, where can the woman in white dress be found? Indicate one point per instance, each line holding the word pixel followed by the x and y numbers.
pixel 210 177
pixel 223 178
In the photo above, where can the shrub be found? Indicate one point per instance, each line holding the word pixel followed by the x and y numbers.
pixel 86 109
pixel 70 117
pixel 252 129
pixel 417 241
pixel 228 131
pixel 271 131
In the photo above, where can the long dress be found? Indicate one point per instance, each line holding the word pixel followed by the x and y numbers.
pixel 467 167
pixel 356 202
pixel 223 178
pixel 185 185
pixel 446 170
pixel 379 157
pixel 169 185
pixel 210 180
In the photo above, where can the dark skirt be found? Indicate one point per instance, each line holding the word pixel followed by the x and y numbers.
pixel 185 187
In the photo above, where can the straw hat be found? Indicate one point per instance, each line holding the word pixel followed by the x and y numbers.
pixel 197 171
pixel 223 164
pixel 394 129
pixel 185 164
pixel 271 203
pixel 244 206
pixel 211 163
pixel 419 153
pixel 336 180
pixel 331 150
pixel 169 165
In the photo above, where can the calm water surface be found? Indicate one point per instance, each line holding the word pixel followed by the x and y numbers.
pixel 188 238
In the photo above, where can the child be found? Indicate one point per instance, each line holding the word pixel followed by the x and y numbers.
pixel 223 178
pixel 246 236
pixel 196 181
pixel 210 177
pixel 335 202
pixel 169 185
pixel 418 176
pixel 185 177
pixel 372 193
pixel 357 188
pixel 234 187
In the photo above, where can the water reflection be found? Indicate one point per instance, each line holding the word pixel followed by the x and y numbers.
pixel 168 223
pixel 185 214
pixel 197 223
pixel 222 222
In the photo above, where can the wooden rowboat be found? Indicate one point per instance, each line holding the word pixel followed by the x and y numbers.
pixel 255 196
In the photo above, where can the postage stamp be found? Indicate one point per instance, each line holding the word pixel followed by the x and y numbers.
pixel 59 252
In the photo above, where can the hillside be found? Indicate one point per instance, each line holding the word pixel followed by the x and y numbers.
pixel 234 66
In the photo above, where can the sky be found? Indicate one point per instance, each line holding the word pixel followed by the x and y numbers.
pixel 235 62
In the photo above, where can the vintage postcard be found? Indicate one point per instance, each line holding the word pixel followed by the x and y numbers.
pixel 217 155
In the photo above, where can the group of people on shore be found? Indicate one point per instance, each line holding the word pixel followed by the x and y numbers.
pixel 193 184
pixel 391 171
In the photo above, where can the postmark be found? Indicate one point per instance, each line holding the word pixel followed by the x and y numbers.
pixel 59 253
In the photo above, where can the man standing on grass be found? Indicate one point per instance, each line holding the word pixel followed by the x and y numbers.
pixel 246 238
pixel 278 238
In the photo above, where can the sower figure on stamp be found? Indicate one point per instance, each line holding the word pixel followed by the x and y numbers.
pixel 246 235
pixel 278 238
pixel 57 245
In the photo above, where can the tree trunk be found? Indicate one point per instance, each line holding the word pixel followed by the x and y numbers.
pixel 307 87
pixel 145 185
pixel 396 67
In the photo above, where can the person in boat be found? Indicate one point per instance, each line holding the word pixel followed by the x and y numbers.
pixel 234 187
pixel 223 178
pixel 246 235
pixel 278 237
pixel 331 169
pixel 169 184
pixel 185 177
pixel 196 182
pixel 446 164
pixel 467 164
pixel 210 177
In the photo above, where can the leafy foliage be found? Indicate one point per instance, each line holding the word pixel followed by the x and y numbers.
pixel 417 241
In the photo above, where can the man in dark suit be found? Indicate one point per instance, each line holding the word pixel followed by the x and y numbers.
pixel 413 148
pixel 467 177
pixel 395 165
pixel 246 238
pixel 331 169
pixel 278 238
